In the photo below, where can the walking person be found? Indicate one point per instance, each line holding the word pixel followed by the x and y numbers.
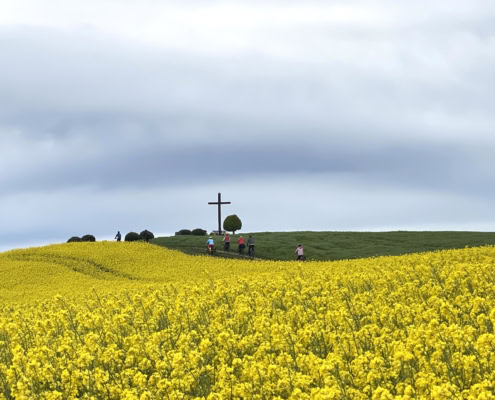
pixel 251 246
pixel 242 245
pixel 118 236
pixel 300 253
pixel 226 242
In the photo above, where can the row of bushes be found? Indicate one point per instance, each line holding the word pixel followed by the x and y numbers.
pixel 194 232
pixel 85 238
pixel 232 224
pixel 130 237
pixel 144 235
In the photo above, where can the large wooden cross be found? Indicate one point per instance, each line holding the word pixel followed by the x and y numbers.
pixel 219 202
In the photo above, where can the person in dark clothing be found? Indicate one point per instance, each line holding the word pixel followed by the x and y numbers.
pixel 251 246
pixel 118 236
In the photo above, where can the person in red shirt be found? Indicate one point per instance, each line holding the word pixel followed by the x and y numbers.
pixel 226 242
pixel 242 245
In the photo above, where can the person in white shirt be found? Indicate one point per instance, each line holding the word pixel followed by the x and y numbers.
pixel 300 253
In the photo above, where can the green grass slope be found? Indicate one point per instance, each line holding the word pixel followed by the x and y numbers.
pixel 337 245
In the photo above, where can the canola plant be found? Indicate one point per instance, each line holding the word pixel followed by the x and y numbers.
pixel 135 321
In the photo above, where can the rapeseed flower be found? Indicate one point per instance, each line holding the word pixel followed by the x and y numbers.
pixel 135 321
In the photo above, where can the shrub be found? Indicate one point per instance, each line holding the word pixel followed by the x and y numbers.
pixel 198 232
pixel 146 235
pixel 132 237
pixel 183 232
pixel 88 238
pixel 74 239
pixel 232 223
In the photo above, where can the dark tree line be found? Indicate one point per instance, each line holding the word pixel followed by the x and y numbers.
pixel 145 235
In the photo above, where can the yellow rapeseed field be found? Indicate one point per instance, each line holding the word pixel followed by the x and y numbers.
pixel 136 321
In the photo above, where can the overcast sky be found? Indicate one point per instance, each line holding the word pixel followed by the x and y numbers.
pixel 307 115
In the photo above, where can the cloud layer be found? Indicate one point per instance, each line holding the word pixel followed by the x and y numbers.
pixel 114 105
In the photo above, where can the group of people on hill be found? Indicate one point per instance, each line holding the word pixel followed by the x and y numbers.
pixel 210 243
pixel 241 242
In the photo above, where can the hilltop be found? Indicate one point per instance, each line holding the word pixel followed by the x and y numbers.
pixel 337 245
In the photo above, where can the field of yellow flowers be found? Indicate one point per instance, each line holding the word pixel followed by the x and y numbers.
pixel 136 321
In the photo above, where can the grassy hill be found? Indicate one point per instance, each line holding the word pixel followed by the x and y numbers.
pixel 337 245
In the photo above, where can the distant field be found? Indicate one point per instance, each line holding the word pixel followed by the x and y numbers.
pixel 338 245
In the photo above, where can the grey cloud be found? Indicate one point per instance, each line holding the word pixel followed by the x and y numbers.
pixel 82 78
pixel 405 107
pixel 154 165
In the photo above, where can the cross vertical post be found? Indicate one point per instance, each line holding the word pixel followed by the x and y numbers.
pixel 219 212
pixel 219 203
